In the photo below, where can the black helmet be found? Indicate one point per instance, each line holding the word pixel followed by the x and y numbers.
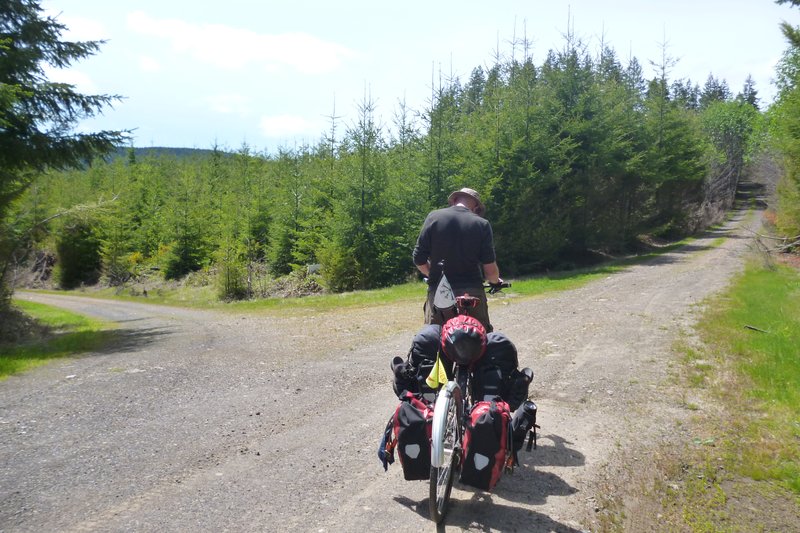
pixel 463 340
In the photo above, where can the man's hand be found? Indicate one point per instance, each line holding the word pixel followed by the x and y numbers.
pixel 497 287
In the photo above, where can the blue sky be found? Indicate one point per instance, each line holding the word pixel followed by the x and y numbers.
pixel 270 74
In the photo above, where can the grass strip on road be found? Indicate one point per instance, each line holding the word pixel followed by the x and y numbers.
pixel 63 334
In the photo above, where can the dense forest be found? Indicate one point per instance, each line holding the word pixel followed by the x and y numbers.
pixel 575 158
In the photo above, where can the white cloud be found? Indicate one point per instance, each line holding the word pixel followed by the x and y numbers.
pixel 236 48
pixel 230 103
pixel 287 126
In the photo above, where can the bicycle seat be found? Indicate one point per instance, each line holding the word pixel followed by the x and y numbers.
pixel 467 302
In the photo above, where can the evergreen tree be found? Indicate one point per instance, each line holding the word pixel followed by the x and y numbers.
pixel 791 33
pixel 578 154
pixel 407 193
pixel 441 148
pixel 785 125
pixel 714 91
pixel 686 94
pixel 188 232
pixel 633 78
pixel 472 96
pixel 37 116
pixel 146 202
pixel 292 193
pixel 729 127
pixel 673 166
pixel 749 94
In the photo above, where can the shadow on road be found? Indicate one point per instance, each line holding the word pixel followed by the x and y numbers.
pixel 482 513
pixel 127 340
pixel 526 485
pixel 556 454
pixel 678 254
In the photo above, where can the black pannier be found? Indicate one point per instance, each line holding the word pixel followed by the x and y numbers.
pixel 497 373
pixel 410 374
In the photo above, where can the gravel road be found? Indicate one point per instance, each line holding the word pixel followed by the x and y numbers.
pixel 218 421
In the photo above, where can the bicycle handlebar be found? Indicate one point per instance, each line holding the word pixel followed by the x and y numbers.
pixel 491 288
pixel 496 287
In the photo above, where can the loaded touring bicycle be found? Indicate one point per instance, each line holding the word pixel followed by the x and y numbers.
pixel 464 407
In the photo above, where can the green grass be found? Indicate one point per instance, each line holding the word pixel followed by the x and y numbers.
pixel 758 327
pixel 744 453
pixel 67 334
pixel 716 243
pixel 412 291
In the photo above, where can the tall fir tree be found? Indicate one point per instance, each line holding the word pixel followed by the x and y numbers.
pixel 38 116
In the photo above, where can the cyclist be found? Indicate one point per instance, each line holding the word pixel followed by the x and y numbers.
pixel 461 239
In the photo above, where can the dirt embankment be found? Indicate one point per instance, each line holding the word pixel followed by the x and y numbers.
pixel 212 421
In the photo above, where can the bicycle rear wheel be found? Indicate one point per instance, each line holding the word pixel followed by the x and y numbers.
pixel 445 448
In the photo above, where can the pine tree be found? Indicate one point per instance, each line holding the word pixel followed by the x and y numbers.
pixel 37 116
pixel 785 123
pixel 749 94
pixel 714 91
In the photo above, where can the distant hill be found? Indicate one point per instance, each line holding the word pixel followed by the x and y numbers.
pixel 158 151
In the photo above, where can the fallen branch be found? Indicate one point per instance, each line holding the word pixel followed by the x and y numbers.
pixel 792 241
pixel 757 234
pixel 790 245
pixel 756 329
pixel 80 208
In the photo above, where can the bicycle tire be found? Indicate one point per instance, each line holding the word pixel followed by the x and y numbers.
pixel 445 448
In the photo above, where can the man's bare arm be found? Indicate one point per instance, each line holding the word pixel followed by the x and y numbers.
pixel 425 268
pixel 492 272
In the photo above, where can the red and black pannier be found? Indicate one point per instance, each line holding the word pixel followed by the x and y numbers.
pixel 487 444
pixel 409 434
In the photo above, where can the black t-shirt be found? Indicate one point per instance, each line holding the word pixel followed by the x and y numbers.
pixel 459 237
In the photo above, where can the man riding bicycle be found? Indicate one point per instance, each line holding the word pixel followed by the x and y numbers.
pixel 460 239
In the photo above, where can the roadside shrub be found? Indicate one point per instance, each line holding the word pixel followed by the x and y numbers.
pixel 339 268
pixel 297 284
pixel 231 281
pixel 184 257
